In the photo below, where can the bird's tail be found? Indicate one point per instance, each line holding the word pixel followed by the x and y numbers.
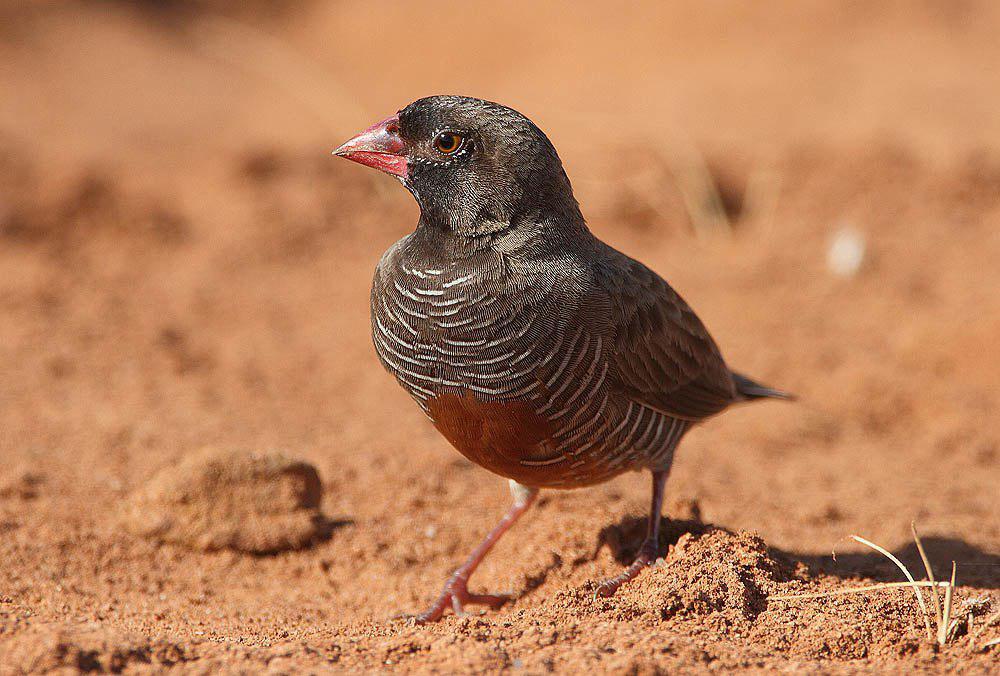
pixel 750 389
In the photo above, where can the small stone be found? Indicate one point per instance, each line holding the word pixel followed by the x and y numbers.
pixel 846 253
pixel 224 499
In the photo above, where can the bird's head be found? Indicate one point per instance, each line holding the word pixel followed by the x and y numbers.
pixel 474 167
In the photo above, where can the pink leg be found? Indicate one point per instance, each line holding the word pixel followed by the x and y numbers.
pixel 456 591
pixel 650 546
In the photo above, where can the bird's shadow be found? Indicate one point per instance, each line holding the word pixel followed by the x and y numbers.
pixel 975 567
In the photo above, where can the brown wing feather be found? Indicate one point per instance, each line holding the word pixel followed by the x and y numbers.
pixel 663 356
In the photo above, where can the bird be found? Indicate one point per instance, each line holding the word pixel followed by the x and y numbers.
pixel 538 351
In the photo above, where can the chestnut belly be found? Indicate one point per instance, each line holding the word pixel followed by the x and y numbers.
pixel 510 439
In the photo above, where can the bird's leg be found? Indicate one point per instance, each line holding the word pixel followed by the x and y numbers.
pixel 650 546
pixel 456 590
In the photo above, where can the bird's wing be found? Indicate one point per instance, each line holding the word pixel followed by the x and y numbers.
pixel 661 355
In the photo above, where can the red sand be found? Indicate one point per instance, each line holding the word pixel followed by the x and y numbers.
pixel 183 266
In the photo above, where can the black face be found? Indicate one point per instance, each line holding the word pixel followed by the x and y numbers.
pixel 477 167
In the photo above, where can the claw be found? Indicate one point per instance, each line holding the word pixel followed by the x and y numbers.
pixel 456 589
pixel 646 557
pixel 456 595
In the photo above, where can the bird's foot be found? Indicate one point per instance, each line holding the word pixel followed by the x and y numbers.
pixel 645 558
pixel 456 596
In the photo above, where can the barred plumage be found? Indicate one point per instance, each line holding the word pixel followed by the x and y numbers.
pixel 539 352
pixel 449 327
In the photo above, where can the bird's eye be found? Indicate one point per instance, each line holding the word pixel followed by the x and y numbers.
pixel 448 142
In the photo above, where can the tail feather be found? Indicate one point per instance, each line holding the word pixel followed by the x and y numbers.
pixel 750 389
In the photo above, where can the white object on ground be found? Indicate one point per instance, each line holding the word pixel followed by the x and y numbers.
pixel 846 253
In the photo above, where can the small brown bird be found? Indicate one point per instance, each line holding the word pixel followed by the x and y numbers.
pixel 540 352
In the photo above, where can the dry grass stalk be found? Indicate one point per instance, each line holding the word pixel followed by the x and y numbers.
pixel 760 199
pixel 944 625
pixel 947 626
pixel 930 572
pixel 899 564
pixel 855 590
pixel 698 188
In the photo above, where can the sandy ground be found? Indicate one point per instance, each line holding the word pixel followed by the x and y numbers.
pixel 183 267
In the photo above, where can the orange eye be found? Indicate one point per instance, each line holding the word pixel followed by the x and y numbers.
pixel 447 142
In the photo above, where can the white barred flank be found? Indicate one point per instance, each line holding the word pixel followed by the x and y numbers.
pixel 448 331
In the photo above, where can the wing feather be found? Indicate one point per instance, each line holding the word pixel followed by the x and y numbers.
pixel 662 355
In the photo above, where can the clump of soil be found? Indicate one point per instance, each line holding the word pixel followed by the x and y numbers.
pixel 715 572
pixel 735 587
pixel 224 499
pixel 708 572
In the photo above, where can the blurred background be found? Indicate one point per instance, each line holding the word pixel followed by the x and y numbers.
pixel 183 264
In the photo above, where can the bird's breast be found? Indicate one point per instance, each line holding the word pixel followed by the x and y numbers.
pixel 455 327
pixel 508 375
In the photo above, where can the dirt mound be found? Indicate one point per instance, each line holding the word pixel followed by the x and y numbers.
pixel 733 585
pixel 230 500
pixel 715 572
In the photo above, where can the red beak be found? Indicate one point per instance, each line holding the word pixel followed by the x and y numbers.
pixel 380 147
